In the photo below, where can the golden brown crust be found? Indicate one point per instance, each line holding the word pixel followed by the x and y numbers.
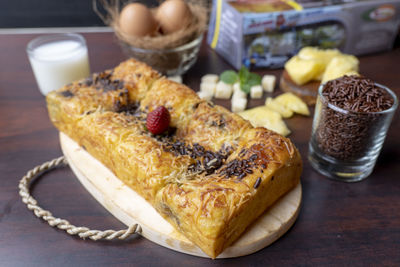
pixel 210 176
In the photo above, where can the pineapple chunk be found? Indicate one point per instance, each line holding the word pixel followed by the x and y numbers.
pixel 349 73
pixel 314 53
pixel 324 65
pixel 293 102
pixel 322 55
pixel 302 71
pixel 278 107
pixel 340 66
pixel 266 117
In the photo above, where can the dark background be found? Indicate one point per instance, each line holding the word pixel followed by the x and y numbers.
pixel 47 13
pixel 50 13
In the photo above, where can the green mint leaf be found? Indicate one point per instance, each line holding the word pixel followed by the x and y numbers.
pixel 245 87
pixel 229 77
pixel 248 79
pixel 243 74
pixel 254 79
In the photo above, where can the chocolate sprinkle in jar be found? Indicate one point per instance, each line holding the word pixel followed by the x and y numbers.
pixel 352 116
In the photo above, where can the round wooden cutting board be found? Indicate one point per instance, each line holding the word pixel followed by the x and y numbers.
pixel 130 208
pixel 308 92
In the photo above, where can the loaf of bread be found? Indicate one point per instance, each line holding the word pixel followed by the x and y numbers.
pixel 210 175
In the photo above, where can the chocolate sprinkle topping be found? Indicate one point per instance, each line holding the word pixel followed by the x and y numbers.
pixel 88 81
pixel 206 161
pixel 219 123
pixel 103 81
pixel 129 109
pixel 165 137
pixel 242 152
pixel 67 93
pixel 356 93
pixel 257 183
pixel 238 167
pixel 195 106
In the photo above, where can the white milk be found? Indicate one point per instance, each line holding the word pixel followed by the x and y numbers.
pixel 59 63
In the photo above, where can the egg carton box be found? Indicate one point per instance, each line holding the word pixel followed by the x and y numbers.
pixel 265 34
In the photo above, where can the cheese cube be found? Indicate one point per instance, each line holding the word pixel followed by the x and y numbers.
pixel 268 83
pixel 176 78
pixel 256 91
pixel 237 92
pixel 210 78
pixel 223 90
pixel 236 87
pixel 238 104
pixel 208 87
pixel 206 95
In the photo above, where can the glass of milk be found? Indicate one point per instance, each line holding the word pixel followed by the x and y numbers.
pixel 58 59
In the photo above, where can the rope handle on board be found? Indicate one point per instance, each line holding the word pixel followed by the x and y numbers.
pixel 82 232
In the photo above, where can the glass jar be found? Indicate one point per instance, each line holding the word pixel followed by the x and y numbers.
pixel 170 62
pixel 345 144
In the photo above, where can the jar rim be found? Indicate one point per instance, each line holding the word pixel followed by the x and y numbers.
pixel 50 38
pixel 191 44
pixel 345 111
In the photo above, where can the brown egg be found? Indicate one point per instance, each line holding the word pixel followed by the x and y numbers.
pixel 137 20
pixel 173 15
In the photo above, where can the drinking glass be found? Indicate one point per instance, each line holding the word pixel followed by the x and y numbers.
pixel 58 59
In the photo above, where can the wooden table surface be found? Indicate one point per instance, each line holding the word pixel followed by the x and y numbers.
pixel 339 223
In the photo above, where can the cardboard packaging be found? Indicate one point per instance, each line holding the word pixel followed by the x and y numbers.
pixel 242 33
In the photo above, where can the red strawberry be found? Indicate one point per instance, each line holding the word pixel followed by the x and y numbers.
pixel 158 120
